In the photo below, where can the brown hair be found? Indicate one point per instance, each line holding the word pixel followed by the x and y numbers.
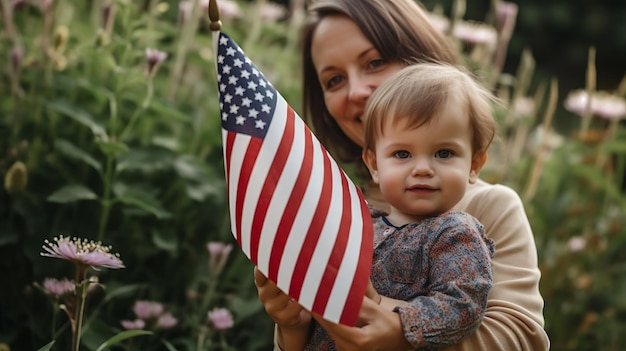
pixel 418 92
pixel 399 29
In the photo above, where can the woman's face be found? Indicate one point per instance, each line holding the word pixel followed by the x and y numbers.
pixel 349 68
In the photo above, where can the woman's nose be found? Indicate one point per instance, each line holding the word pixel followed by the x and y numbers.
pixel 360 88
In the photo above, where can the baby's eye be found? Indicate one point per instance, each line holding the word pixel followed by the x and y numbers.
pixel 444 153
pixel 402 154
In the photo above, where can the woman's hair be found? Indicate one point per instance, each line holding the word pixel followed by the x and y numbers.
pixel 417 93
pixel 399 29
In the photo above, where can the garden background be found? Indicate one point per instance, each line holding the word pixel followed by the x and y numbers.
pixel 110 131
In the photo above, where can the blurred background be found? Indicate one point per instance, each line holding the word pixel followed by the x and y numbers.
pixel 110 131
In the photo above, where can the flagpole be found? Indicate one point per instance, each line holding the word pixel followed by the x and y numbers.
pixel 214 16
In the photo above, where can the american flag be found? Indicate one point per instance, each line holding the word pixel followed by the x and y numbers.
pixel 293 210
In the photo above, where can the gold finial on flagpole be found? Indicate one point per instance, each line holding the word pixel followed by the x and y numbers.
pixel 214 16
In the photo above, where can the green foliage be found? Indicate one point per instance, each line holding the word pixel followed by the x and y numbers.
pixel 116 152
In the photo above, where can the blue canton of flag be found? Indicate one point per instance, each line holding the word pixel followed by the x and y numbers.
pixel 247 99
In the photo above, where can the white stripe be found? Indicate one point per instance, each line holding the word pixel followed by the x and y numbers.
pixel 302 223
pixel 347 269
pixel 284 188
pixel 236 158
pixel 264 160
pixel 319 260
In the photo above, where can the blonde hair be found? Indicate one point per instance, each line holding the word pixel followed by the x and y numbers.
pixel 418 92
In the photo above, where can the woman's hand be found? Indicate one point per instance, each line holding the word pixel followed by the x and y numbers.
pixel 381 330
pixel 284 310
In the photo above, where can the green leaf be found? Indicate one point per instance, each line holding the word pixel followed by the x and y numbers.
pixel 79 115
pixel 122 291
pixel 112 148
pixel 74 152
pixel 122 336
pixel 47 347
pixel 140 198
pixel 71 193
pixel 164 111
pixel 167 241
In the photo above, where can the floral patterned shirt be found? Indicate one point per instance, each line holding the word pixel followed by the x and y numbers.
pixel 441 266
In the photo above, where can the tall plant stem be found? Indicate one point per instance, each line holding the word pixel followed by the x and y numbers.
pixel 106 198
pixel 188 31
pixel 81 295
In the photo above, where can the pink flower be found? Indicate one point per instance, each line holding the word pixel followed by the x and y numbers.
pixel 220 318
pixel 148 309
pixel 166 321
pixel 59 288
pixel 132 325
pixel 603 104
pixel 154 58
pixel 83 252
pixel 218 255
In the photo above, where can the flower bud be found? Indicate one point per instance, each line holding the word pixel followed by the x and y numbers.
pixel 16 178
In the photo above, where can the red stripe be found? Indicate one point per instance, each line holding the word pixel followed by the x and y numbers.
pixel 314 231
pixel 249 159
pixel 351 309
pixel 339 248
pixel 269 186
pixel 292 207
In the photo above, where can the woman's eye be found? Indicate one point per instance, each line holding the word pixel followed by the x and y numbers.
pixel 333 81
pixel 402 154
pixel 376 63
pixel 444 153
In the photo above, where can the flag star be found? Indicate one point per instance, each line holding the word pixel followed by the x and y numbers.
pixel 234 109
pixel 228 98
pixel 237 62
pixel 222 87
pixel 248 61
pixel 260 124
pixel 246 102
pixel 219 77
pixel 255 72
pixel 263 83
pixel 245 74
pixel 252 85
pixel 223 41
pixel 226 69
pixel 220 59
pixel 258 97
pixel 230 52
pixel 253 113
pixel 269 94
pixel 232 80
pixel 239 91
pixel 266 108
pixel 224 116
pixel 241 120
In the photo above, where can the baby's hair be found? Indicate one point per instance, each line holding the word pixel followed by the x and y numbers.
pixel 418 92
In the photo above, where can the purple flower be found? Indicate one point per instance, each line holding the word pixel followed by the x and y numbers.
pixel 166 321
pixel 59 288
pixel 154 58
pixel 218 255
pixel 220 318
pixel 147 309
pixel 82 251
pixel 132 325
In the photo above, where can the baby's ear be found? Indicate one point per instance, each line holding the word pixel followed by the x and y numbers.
pixel 369 158
pixel 478 161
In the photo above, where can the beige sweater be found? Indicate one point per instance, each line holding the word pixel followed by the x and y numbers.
pixel 514 316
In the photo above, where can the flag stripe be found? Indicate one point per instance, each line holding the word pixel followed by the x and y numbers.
pixel 313 233
pixel 293 205
pixel 271 181
pixel 330 273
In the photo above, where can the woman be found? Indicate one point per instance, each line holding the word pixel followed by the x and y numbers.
pixel 349 48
